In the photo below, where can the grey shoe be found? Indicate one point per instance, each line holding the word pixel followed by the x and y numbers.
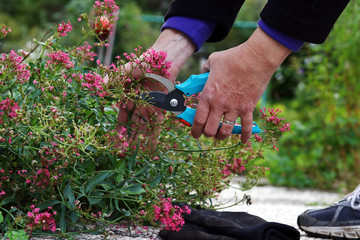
pixel 339 221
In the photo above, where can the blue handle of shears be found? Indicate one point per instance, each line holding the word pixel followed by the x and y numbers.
pixel 189 114
pixel 194 84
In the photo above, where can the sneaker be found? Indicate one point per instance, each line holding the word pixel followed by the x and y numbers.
pixel 339 221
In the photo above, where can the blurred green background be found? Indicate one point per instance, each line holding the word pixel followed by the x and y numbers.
pixel 318 88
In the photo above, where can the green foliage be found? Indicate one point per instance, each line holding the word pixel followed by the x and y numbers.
pixel 323 148
pixel 16 235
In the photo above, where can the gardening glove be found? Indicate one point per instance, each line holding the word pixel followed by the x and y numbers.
pixel 212 225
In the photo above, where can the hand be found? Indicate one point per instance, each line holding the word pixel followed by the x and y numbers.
pixel 238 78
pixel 178 48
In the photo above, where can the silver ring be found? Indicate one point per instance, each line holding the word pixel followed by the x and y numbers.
pixel 228 122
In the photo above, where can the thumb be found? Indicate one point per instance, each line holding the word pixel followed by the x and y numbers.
pixel 206 67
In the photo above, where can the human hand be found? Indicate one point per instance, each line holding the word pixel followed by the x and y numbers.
pixel 178 49
pixel 238 78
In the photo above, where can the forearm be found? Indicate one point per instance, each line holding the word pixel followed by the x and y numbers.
pixel 269 51
pixel 177 46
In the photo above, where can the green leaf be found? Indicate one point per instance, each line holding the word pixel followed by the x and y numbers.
pixel 110 111
pixel 132 159
pixel 141 170
pixel 153 183
pixel 1 218
pixel 133 189
pixel 69 195
pixel 97 180
pixel 16 235
pixel 95 198
pixel 74 217
pixel 119 178
pixel 62 219
pixel 49 204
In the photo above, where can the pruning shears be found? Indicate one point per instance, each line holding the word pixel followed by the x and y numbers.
pixel 174 100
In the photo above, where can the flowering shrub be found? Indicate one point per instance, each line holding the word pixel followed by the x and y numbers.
pixel 63 149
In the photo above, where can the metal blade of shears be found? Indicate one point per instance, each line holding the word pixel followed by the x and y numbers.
pixel 173 101
pixel 164 81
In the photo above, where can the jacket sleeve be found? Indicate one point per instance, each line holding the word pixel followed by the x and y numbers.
pixel 308 20
pixel 223 13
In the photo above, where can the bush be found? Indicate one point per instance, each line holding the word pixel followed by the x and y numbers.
pixel 67 161
pixel 323 149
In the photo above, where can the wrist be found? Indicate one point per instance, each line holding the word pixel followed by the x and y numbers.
pixel 177 46
pixel 267 48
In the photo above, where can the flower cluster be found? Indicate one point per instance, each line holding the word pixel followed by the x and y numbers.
pixel 105 16
pixel 43 220
pixel 8 110
pixel 170 216
pixel 274 125
pixel 84 53
pixel 237 166
pixel 13 68
pixel 272 116
pixel 105 8
pixel 3 178
pixel 4 30
pixel 59 59
pixel 157 60
pixel 64 28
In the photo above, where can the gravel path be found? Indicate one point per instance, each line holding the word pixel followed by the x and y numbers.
pixel 279 204
pixel 274 204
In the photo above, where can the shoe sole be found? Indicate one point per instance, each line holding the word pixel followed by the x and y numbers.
pixel 336 233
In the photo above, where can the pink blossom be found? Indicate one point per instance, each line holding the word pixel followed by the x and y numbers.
pixel 8 109
pixel 169 215
pixel 236 166
pixel 12 66
pixel 258 138
pixel 64 28
pixel 4 30
pixel 106 7
pixel 84 53
pixel 43 220
pixel 59 58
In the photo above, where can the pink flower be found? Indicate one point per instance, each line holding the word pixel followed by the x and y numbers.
pixel 59 58
pixel 84 53
pixel 8 109
pixel 258 138
pixel 12 66
pixel 237 166
pixel 64 28
pixel 42 220
pixel 106 7
pixel 4 31
pixel 169 215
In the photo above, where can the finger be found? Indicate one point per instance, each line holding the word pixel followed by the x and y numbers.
pixel 226 127
pixel 246 127
pixel 212 123
pixel 200 119
pixel 124 111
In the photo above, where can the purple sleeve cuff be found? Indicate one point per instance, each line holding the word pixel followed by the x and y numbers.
pixel 291 43
pixel 198 30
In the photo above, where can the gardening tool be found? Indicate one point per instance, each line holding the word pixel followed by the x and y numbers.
pixel 174 100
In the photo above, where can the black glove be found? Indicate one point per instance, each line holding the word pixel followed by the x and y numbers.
pixel 212 225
